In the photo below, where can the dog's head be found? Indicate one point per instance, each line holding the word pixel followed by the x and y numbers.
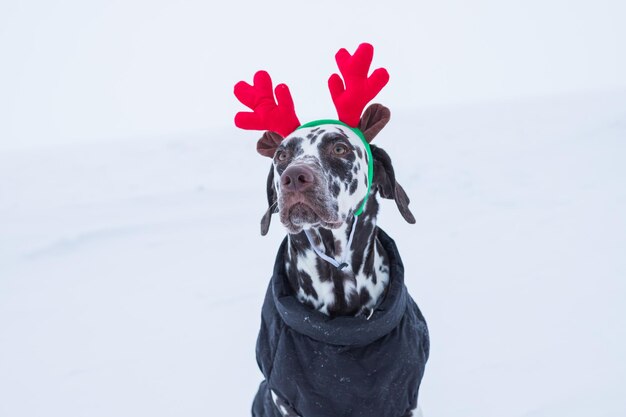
pixel 319 175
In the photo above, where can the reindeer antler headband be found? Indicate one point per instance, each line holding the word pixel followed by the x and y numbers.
pixel 350 96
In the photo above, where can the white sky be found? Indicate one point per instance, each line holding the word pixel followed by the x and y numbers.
pixel 76 71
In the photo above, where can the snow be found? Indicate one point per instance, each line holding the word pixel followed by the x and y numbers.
pixel 132 272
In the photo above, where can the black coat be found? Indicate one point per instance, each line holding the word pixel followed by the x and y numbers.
pixel 342 366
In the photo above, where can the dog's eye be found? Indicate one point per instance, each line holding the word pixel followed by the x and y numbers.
pixel 340 149
pixel 281 156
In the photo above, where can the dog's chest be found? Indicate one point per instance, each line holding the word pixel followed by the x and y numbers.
pixel 323 287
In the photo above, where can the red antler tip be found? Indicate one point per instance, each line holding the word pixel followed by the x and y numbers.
pixel 267 114
pixel 352 93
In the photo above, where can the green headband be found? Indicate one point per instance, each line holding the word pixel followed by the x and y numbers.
pixel 370 158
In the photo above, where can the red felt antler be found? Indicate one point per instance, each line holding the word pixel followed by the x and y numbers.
pixel 359 89
pixel 278 116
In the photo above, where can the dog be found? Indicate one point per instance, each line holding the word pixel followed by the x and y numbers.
pixel 340 336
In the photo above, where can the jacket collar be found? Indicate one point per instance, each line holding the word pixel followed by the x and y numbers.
pixel 343 331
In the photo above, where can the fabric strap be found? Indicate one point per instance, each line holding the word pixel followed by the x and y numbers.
pixel 337 264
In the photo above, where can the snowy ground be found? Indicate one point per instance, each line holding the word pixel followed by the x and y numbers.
pixel 132 273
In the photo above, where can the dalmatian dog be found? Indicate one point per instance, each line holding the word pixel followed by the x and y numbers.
pixel 317 181
pixel 319 178
pixel 340 335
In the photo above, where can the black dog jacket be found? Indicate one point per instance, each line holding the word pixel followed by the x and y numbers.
pixel 342 366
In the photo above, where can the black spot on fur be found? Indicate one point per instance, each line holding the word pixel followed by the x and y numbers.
pixel 338 248
pixel 368 262
pixel 364 296
pixel 293 147
pixel 342 132
pixel 336 166
pixel 314 135
pixel 335 189
pixel 353 186
pixel 306 283
pixel 366 228
pixel 353 303
pixel 327 237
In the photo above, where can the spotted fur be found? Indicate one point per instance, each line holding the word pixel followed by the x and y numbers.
pixel 327 211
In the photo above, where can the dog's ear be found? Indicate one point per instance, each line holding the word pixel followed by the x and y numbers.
pixel 373 120
pixel 386 184
pixel 268 143
pixel 272 202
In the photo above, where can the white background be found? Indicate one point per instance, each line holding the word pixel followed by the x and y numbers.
pixel 131 268
pixel 75 71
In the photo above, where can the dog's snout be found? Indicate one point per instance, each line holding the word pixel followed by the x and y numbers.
pixel 297 178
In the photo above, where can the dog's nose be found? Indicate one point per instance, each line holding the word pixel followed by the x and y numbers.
pixel 297 178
